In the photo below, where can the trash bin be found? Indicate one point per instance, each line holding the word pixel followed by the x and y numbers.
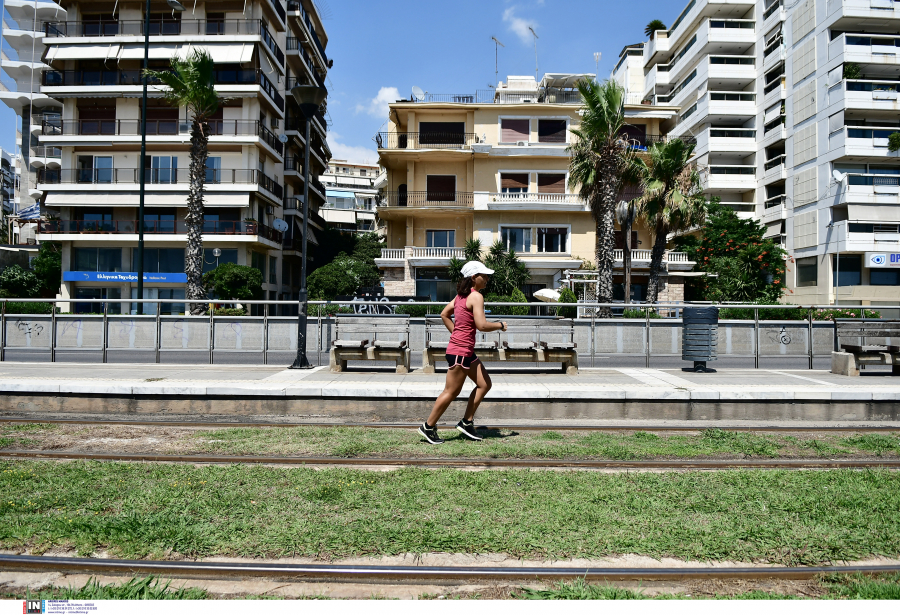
pixel 699 336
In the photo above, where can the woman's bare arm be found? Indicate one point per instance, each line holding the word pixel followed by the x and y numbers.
pixel 476 303
pixel 445 316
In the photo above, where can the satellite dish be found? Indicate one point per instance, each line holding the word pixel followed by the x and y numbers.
pixel 838 176
pixel 417 93
pixel 280 225
pixel 283 138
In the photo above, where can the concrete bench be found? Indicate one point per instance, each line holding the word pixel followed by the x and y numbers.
pixel 536 340
pixel 370 338
pixel 858 343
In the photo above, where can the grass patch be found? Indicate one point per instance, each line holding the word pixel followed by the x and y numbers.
pixel 148 588
pixel 876 442
pixel 15 427
pixel 859 587
pixel 149 510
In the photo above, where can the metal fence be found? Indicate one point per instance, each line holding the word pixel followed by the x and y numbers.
pixel 273 330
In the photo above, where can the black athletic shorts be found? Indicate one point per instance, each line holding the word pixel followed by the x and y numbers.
pixel 454 359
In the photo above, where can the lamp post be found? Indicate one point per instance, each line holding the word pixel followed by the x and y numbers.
pixel 310 98
pixel 175 6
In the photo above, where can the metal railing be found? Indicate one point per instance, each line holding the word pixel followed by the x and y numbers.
pixel 873 132
pixel 732 133
pixel 279 10
pixel 43 151
pixel 105 327
pixel 131 176
pixel 293 44
pixel 771 10
pixel 861 179
pixel 777 161
pixel 426 199
pixel 733 96
pixel 158 27
pixel 293 164
pixel 270 185
pixel 156 227
pixel 732 170
pixel 175 127
pixel 425 140
pixel 270 42
pixel 297 6
pixel 270 139
pixel 775 201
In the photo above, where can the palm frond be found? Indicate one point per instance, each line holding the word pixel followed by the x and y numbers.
pixel 190 83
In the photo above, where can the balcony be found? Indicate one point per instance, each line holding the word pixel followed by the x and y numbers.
pixel 775 209
pixel 740 69
pixel 269 42
pixel 165 227
pixel 293 45
pixel 166 27
pixel 425 140
pixel 775 169
pixel 158 177
pixel 296 7
pixel 729 140
pixel 849 12
pixel 847 236
pixel 531 201
pixel 870 188
pixel 730 177
pixel 867 95
pixel 426 199
pixel 641 258
pixel 865 49
pixel 862 141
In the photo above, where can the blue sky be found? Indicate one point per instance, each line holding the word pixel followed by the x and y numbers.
pixel 382 48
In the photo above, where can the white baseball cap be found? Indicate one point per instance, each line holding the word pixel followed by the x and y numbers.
pixel 474 268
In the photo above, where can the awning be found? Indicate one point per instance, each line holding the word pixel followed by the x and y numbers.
pixel 151 199
pixel 773 231
pixel 224 53
pixel 83 52
pixel 340 194
pixel 873 213
pixel 158 51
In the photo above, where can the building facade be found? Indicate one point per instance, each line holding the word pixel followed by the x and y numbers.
pixel 494 166
pixel 84 136
pixel 351 190
pixel 792 105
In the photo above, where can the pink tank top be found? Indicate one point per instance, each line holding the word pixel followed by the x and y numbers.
pixel 462 340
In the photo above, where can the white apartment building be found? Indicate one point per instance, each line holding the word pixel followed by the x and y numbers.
pixel 351 192
pixel 792 104
pixel 82 141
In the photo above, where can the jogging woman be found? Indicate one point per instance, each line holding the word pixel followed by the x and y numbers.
pixel 468 311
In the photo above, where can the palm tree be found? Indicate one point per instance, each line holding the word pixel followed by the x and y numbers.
pixel 652 27
pixel 471 252
pixel 600 157
pixel 191 83
pixel 672 201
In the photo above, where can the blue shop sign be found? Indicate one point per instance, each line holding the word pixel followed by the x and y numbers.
pixel 123 276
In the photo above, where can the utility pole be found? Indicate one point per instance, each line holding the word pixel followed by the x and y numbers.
pixel 497 45
pixel 535 53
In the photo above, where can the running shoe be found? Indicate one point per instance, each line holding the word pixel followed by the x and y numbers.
pixel 430 434
pixel 467 429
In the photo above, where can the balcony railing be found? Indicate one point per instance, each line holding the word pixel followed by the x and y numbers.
pixel 732 133
pixel 777 161
pixel 157 227
pixel 282 14
pixel 217 128
pixel 646 255
pixel 733 60
pixel 293 163
pixel 293 44
pixel 771 10
pixel 271 140
pixel 774 84
pixel 270 42
pixel 732 170
pixel 426 199
pixel 740 24
pixel 393 253
pixel 297 6
pixel 96 78
pixel 872 86
pixel 46 152
pixel 875 133
pixel 873 180
pixel 158 27
pixel 733 96
pixel 536 197
pixel 155 176
pixel 775 201
pixel 425 140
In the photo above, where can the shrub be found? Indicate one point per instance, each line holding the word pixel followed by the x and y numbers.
pixel 639 313
pixel 567 296
pixel 18 283
pixel 229 312
pixel 508 310
pixel 22 307
pixel 796 313
pixel 852 70
pixel 894 142
pixel 343 276
pixel 418 311
pixel 47 266
pixel 328 310
pixel 230 281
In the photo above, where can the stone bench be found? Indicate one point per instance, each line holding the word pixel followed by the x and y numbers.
pixel 537 340
pixel 870 343
pixel 370 338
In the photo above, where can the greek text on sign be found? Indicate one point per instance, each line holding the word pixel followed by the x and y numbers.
pixel 878 260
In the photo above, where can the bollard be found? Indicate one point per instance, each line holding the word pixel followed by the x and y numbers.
pixel 105 337
pixel 3 332
pixel 699 337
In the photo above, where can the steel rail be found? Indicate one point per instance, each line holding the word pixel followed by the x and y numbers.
pixel 508 426
pixel 356 573
pixel 431 462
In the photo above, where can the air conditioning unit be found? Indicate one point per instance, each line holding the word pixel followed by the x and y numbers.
pixel 270 209
pixel 522 143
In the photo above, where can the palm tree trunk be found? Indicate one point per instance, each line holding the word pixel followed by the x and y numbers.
pixel 193 257
pixel 656 257
pixel 626 253
pixel 606 241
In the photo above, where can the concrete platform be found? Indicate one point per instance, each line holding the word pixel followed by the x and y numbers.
pixel 624 394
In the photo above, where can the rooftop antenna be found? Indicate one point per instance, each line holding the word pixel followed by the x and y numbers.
pixel 597 56
pixel 497 45
pixel 535 52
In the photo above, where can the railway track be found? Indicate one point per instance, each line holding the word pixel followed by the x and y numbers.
pixel 587 464
pixel 357 573
pixel 509 426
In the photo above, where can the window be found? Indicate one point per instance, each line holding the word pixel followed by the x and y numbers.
pixel 258 262
pixel 513 131
pixel 214 170
pixel 552 131
pixel 160 220
pixel 161 169
pixel 435 284
pixel 160 293
pixel 440 187
pixel 362 172
pixel 160 260
pixel 95 169
pixel 850 266
pixel 552 183
pixel 273 270
pixel 552 239
pixel 98 293
pixel 440 239
pixel 210 262
pixel 514 183
pixel 807 272
pixel 884 277
pixel 518 239
pixel 442 133
pixel 97 259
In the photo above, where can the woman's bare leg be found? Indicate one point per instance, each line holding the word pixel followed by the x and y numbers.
pixel 479 375
pixel 456 376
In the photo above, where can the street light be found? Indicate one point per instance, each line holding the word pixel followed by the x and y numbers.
pixel 310 98
pixel 175 6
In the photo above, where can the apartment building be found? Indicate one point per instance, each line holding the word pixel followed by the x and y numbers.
pixel 351 190
pixel 494 166
pixel 83 139
pixel 792 107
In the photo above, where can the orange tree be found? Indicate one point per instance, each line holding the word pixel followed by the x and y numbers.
pixel 750 268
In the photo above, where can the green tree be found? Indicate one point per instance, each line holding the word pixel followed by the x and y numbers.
pixel 672 201
pixel 517 296
pixel 600 158
pixel 471 252
pixel 19 283
pixel 191 84
pixel 230 281
pixel 509 272
pixel 749 268
pixel 653 27
pixel 342 276
pixel 567 296
pixel 47 266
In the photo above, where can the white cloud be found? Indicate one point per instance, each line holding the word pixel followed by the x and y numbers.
pixel 351 153
pixel 518 25
pixel 378 106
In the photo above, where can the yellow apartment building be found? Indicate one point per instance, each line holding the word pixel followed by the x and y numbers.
pixel 495 166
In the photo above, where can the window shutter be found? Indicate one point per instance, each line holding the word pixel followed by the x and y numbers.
pixel 552 131
pixel 442 133
pixel 514 180
pixel 836 122
pixel 513 131
pixel 441 187
pixel 552 183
